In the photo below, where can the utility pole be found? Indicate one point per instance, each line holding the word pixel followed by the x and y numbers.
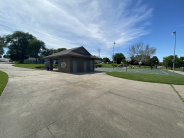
pixel 113 54
pixel 174 33
pixel 99 54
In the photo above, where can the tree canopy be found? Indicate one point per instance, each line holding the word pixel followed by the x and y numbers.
pixel 51 51
pixel 17 44
pixel 118 58
pixel 141 53
pixel 35 48
pixel 23 45
pixel 154 60
pixel 105 60
pixel 2 45
pixel 168 61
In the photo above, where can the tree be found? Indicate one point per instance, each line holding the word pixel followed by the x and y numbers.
pixel 168 61
pixel 118 58
pixel 6 56
pixel 35 48
pixel 141 53
pixel 181 62
pixel 51 51
pixel 2 45
pixel 154 60
pixel 105 60
pixel 18 43
pixel 60 49
pixel 1 51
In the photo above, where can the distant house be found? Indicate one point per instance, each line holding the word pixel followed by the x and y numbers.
pixel 97 61
pixel 41 60
pixel 30 60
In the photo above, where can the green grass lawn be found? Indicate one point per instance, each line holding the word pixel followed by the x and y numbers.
pixel 177 69
pixel 3 81
pixel 135 66
pixel 115 66
pixel 149 77
pixel 30 66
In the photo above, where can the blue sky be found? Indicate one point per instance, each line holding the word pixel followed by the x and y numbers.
pixel 97 24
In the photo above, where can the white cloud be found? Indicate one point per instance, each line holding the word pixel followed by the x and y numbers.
pixel 61 23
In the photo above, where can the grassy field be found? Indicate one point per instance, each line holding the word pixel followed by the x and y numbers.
pixel 135 66
pixel 149 77
pixel 30 66
pixel 3 81
pixel 115 65
pixel 177 69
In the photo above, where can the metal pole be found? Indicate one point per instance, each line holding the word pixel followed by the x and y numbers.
pixel 113 54
pixel 113 57
pixel 174 52
pixel 126 65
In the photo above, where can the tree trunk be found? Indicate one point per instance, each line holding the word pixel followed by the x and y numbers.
pixel 21 61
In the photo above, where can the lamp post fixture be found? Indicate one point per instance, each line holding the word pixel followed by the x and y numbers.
pixel 113 54
pixel 174 33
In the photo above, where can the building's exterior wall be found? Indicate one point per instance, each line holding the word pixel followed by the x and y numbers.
pixel 80 64
pixel 67 61
pixel 51 64
pixel 69 64
pixel 88 64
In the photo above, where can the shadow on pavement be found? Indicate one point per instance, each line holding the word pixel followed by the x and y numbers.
pixel 81 73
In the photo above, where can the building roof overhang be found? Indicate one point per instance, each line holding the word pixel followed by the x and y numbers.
pixel 71 53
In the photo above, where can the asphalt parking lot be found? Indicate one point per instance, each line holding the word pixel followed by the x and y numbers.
pixel 51 104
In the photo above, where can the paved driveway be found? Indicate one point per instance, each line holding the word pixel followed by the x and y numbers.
pixel 58 105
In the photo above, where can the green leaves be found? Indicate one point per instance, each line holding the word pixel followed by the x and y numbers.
pixel 167 62
pixel 51 51
pixel 105 60
pixel 154 60
pixel 119 57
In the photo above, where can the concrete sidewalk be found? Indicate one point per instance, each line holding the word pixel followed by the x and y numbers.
pixel 46 104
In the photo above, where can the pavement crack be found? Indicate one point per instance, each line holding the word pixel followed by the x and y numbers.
pixel 144 102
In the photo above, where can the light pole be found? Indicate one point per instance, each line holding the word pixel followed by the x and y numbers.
pixel 183 65
pixel 174 33
pixel 113 54
pixel 156 64
pixel 127 59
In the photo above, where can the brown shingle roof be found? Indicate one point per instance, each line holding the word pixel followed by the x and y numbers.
pixel 70 52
